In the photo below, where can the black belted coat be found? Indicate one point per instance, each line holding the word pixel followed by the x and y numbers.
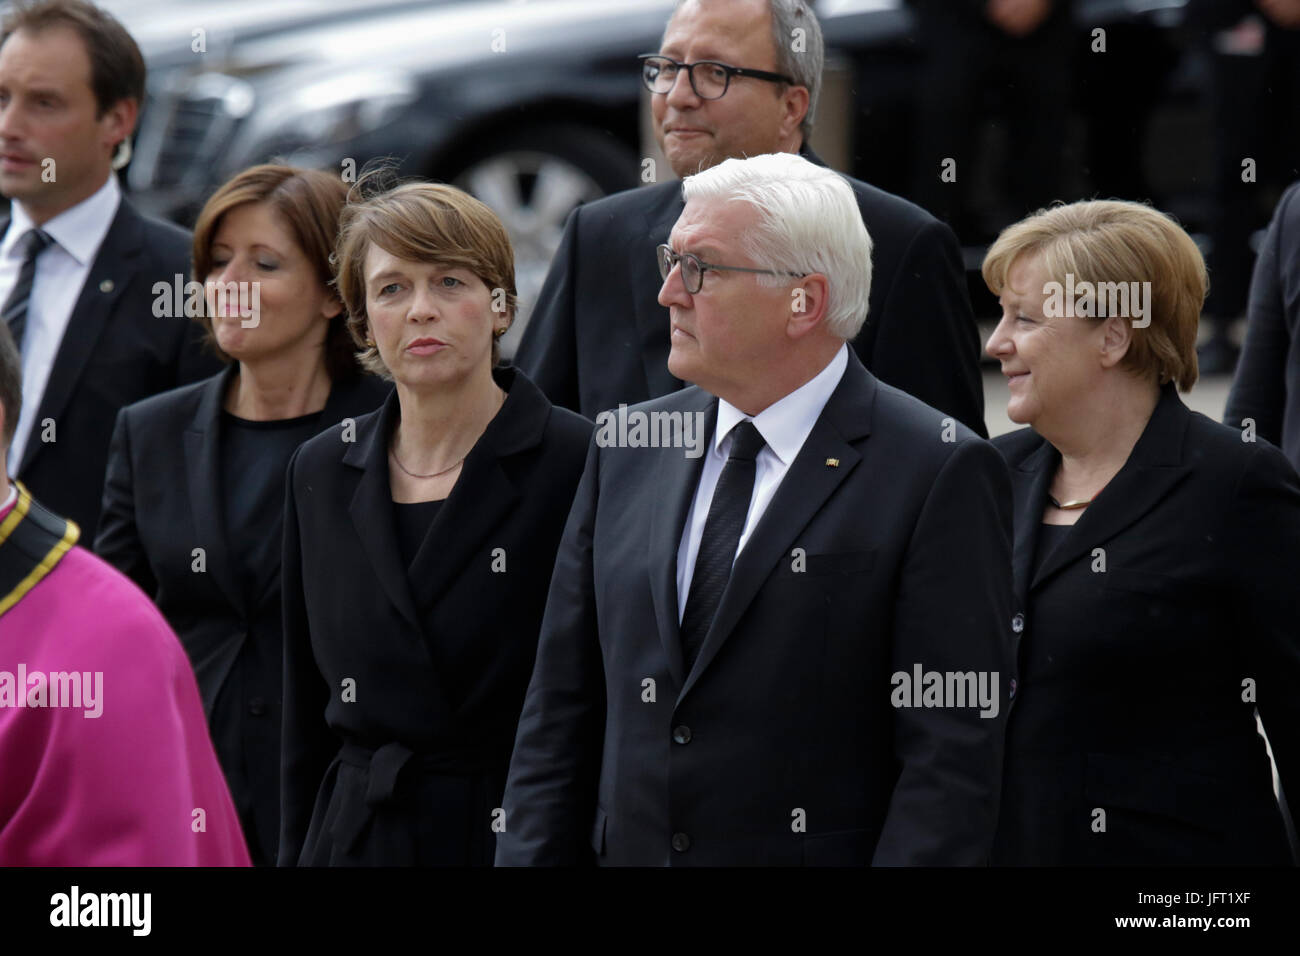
pixel 403 687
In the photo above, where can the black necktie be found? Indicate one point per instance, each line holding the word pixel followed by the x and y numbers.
pixel 32 244
pixel 721 536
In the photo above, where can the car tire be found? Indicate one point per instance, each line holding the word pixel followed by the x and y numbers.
pixel 533 178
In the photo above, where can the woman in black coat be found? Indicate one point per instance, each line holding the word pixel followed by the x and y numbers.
pixel 1155 565
pixel 418 551
pixel 194 493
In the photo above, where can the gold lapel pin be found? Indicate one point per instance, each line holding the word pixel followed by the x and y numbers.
pixel 106 285
pixel 832 463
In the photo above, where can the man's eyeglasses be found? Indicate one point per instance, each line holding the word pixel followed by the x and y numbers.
pixel 693 269
pixel 709 79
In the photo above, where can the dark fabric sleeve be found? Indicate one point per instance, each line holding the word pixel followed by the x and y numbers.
pixel 548 352
pixel 307 744
pixel 929 344
pixel 117 539
pixel 550 799
pixel 1263 561
pixel 953 615
pixel 1259 386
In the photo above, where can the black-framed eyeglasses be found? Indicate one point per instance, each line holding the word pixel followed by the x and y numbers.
pixel 693 268
pixel 709 79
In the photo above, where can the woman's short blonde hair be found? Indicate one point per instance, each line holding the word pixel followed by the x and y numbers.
pixel 422 222
pixel 1114 241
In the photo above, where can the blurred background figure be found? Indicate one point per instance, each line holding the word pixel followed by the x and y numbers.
pixel 1155 563
pixel 418 549
pixel 194 500
pixel 78 264
pixel 1266 389
pixel 1021 49
pixel 106 755
pixel 1253 48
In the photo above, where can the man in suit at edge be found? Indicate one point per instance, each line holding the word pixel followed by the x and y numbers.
pixel 819 702
pixel 77 263
pixel 598 338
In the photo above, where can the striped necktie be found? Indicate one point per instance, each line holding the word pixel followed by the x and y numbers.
pixel 32 244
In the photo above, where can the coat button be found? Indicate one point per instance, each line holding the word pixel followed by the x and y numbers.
pixel 682 734
pixel 1018 623
pixel 257 707
pixel 681 842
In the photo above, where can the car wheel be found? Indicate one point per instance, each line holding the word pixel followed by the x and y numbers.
pixel 533 179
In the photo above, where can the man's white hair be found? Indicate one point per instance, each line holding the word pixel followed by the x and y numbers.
pixel 808 221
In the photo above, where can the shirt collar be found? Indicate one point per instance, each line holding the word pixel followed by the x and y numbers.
pixel 79 231
pixel 785 424
pixel 9 501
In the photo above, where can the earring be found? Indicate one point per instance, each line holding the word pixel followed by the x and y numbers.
pixel 497 333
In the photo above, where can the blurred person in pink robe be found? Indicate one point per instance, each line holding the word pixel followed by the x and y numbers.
pixel 104 748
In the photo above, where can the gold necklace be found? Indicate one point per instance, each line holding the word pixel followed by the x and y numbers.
pixel 436 474
pixel 1071 505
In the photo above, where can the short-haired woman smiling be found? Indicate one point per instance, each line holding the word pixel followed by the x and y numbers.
pixel 195 489
pixel 1155 565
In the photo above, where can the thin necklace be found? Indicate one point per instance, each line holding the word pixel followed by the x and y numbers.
pixel 436 474
pixel 1069 505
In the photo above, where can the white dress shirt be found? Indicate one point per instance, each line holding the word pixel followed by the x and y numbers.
pixel 785 426
pixel 10 498
pixel 61 271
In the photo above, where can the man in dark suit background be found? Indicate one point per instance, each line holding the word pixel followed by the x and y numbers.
pixel 77 263
pixel 836 696
pixel 597 336
pixel 1266 388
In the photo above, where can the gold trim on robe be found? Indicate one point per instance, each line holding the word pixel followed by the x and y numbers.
pixel 32 542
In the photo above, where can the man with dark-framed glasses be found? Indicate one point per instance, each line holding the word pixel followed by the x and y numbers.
pixel 693 268
pixel 736 78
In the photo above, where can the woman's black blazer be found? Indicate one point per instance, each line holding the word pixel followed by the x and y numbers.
pixel 163 500
pixel 1169 613
pixel 403 687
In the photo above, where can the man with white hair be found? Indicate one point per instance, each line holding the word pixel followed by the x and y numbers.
pixel 737 78
pixel 795 648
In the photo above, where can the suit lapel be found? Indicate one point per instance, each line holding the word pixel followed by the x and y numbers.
pixel 653 339
pixel 803 492
pixel 371 509
pixel 203 469
pixel 1031 480
pixel 114 266
pixel 484 494
pixel 346 400
pixel 1153 469
pixel 676 478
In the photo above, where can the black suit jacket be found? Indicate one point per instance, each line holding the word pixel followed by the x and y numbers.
pixel 782 744
pixel 1175 586
pixel 1266 387
pixel 115 352
pixel 439 654
pixel 162 499
pixel 598 336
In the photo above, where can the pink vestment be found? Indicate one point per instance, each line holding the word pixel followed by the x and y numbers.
pixel 115 766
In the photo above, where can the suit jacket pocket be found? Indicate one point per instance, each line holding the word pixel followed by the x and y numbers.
pixel 840 562
pixel 840 848
pixel 1156 812
pixel 598 832
pixel 1141 582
